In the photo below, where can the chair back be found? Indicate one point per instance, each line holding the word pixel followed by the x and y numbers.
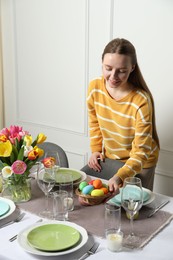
pixel 48 146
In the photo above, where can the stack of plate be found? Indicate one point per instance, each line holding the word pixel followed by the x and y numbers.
pixel 148 197
pixel 78 176
pixel 7 207
pixel 52 238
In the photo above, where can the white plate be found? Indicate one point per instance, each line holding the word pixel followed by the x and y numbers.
pixel 151 198
pixel 23 242
pixel 12 207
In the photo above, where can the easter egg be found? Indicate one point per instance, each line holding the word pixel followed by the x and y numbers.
pixel 105 185
pixel 97 192
pixel 97 183
pixel 82 185
pixel 105 190
pixel 87 189
pixel 91 182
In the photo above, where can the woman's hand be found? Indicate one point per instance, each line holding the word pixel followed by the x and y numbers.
pixel 114 184
pixel 94 161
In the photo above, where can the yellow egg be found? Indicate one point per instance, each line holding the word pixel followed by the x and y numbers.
pixel 97 192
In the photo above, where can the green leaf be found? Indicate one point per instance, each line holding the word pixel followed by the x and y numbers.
pixel 1 165
pixel 17 144
pixel 34 143
pixel 15 152
pixel 12 158
pixel 21 142
pixel 6 160
pixel 21 154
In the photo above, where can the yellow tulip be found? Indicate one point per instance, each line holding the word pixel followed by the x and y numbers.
pixel 39 151
pixel 5 148
pixel 41 138
pixel 28 140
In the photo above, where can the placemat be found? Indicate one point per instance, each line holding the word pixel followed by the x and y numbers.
pixel 92 217
pixel 11 217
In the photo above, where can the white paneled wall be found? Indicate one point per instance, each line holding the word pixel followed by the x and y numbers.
pixel 52 49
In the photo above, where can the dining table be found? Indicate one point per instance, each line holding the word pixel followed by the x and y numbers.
pixel 157 245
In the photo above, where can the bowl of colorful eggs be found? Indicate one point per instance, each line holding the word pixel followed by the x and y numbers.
pixel 93 192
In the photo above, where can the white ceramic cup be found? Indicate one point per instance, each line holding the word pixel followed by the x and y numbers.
pixel 60 209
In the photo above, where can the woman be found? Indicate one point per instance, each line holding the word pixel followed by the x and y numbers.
pixel 123 136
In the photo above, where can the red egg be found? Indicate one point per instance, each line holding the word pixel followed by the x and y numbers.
pixel 90 182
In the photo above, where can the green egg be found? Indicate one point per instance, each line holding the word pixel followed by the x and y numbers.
pixel 82 185
pixel 105 185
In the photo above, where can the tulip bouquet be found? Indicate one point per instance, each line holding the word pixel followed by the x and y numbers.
pixel 18 154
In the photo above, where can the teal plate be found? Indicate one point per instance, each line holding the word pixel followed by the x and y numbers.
pixel 4 208
pixel 53 237
pixel 76 175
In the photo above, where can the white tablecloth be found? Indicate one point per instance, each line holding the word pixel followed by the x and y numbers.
pixel 159 248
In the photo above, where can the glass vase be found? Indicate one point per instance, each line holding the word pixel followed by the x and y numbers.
pixel 17 191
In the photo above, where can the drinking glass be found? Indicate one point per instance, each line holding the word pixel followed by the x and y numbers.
pixel 60 207
pixel 55 155
pixel 66 183
pixel 46 181
pixel 112 222
pixel 131 201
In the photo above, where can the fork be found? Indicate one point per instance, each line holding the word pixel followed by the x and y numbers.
pixel 14 237
pixel 91 251
pixel 15 220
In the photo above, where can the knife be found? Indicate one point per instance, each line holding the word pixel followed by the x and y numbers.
pixel 158 208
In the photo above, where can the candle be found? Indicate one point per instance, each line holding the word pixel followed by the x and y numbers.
pixel 69 203
pixel 114 241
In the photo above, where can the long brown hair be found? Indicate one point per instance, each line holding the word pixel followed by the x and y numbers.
pixel 123 46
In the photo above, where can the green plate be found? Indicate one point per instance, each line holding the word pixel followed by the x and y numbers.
pixel 53 237
pixel 76 175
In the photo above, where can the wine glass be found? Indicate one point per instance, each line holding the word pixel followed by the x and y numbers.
pixel 46 181
pixel 54 155
pixel 131 201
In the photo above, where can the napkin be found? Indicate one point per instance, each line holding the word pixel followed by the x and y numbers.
pixel 135 191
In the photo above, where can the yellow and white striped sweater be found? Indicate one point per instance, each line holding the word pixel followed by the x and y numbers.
pixel 123 128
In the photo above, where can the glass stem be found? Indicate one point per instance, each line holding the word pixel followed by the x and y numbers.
pixel 131 226
pixel 47 202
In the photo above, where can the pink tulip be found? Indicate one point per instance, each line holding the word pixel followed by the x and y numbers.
pixel 19 167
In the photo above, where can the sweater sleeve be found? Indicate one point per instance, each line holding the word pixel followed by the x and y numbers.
pixel 94 129
pixel 142 143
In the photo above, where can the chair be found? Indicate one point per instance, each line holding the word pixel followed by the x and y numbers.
pixel 47 146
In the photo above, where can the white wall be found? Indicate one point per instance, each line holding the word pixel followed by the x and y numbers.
pixel 52 49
